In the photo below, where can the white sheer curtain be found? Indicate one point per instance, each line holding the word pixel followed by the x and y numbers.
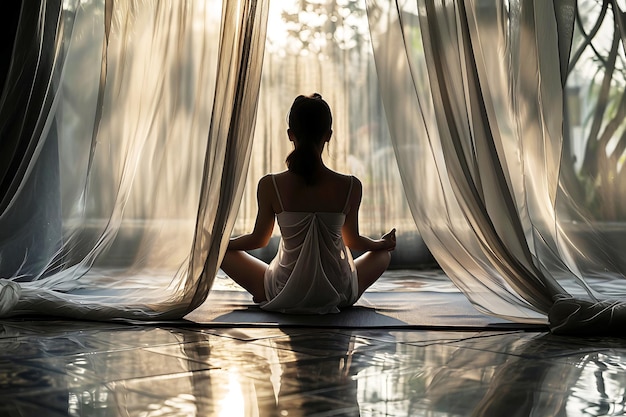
pixel 126 132
pixel 474 94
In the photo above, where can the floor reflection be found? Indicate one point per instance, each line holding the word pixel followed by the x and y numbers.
pixel 59 368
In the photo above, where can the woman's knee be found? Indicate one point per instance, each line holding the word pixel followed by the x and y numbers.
pixel 231 257
pixel 375 259
pixel 383 258
pixel 387 256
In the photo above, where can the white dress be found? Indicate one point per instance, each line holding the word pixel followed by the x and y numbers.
pixel 313 271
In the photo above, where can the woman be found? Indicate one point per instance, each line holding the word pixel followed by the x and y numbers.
pixel 317 211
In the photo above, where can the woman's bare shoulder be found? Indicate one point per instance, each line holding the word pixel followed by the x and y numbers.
pixel 278 175
pixel 267 178
pixel 266 193
pixel 356 183
pixel 342 177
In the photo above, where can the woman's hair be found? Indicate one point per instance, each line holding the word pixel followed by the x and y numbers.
pixel 309 120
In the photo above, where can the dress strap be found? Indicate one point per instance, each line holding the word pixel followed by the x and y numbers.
pixel 349 194
pixel 277 193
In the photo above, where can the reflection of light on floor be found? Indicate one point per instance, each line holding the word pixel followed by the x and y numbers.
pixel 376 385
pixel 181 405
pixel 233 403
pixel 599 379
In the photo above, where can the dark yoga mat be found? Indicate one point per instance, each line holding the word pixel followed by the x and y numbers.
pixel 411 299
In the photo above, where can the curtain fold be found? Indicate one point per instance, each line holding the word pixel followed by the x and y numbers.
pixel 27 95
pixel 133 142
pixel 457 241
pixel 27 98
pixel 481 88
pixel 230 138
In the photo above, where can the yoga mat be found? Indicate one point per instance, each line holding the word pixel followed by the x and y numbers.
pixel 400 299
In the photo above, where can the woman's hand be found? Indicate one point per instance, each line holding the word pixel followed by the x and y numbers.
pixel 389 240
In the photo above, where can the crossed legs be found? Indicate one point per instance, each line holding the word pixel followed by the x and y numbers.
pixel 370 266
pixel 249 272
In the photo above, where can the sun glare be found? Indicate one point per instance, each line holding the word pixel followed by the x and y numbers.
pixel 232 403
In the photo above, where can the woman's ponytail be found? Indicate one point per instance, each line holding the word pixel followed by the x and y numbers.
pixel 301 161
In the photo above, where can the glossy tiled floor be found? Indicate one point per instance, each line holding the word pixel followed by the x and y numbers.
pixel 72 368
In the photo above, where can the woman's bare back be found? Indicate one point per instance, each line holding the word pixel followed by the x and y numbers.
pixel 328 194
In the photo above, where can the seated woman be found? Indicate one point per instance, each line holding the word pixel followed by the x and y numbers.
pixel 318 215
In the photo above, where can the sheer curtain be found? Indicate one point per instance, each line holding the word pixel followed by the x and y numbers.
pixel 126 132
pixel 474 94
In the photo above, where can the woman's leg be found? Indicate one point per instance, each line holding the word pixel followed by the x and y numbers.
pixel 370 266
pixel 247 271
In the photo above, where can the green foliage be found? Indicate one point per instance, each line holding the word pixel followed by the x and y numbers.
pixel 598 60
pixel 311 24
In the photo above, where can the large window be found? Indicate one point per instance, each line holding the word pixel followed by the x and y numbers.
pixel 324 46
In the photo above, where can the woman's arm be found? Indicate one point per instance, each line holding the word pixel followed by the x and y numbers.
pixel 264 224
pixel 350 230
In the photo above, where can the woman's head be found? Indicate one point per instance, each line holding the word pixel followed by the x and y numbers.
pixel 310 125
pixel 310 118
